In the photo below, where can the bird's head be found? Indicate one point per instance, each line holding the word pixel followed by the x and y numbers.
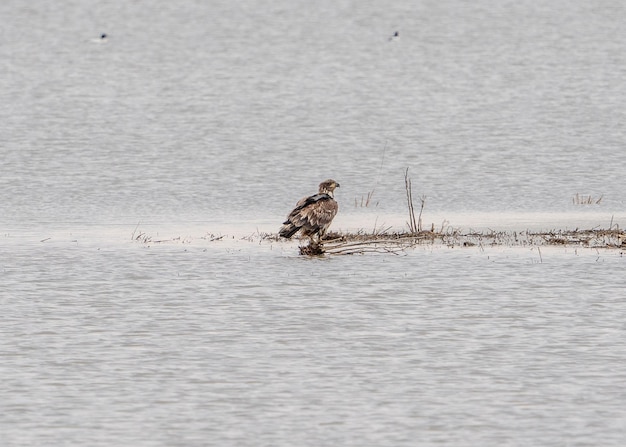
pixel 328 186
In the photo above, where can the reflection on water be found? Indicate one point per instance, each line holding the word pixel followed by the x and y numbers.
pixel 200 125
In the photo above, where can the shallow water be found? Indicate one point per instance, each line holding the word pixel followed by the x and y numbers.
pixel 142 307
pixel 241 343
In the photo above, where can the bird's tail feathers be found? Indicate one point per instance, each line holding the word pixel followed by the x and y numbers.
pixel 288 230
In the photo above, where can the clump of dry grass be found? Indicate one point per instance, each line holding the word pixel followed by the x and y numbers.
pixel 366 201
pixel 581 199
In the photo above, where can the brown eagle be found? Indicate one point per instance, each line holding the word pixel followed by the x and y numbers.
pixel 312 215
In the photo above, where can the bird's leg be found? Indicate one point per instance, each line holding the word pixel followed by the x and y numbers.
pixel 316 242
pixel 315 247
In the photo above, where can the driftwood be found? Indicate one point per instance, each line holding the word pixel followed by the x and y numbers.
pixel 396 243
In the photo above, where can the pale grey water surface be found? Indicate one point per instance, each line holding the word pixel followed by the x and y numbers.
pixel 200 124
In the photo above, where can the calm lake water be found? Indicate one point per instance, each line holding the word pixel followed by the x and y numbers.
pixel 140 306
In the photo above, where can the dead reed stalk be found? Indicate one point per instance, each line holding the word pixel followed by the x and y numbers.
pixel 414 225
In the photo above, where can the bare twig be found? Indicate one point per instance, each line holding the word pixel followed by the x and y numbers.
pixel 419 218
pixel 413 226
pixel 132 237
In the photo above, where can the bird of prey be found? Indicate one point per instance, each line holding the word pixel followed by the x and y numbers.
pixel 312 215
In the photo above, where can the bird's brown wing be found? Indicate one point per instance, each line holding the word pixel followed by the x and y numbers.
pixel 314 214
